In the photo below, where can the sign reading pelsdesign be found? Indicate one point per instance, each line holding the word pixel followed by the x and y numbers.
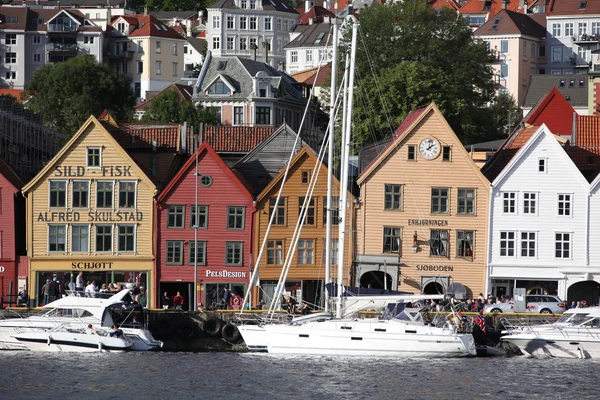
pixel 225 274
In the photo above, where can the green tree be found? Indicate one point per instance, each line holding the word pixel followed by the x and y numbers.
pixel 67 93
pixel 408 55
pixel 169 107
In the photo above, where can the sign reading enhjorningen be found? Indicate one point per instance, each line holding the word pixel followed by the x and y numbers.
pixel 428 222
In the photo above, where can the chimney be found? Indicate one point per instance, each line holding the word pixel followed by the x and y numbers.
pixel 266 49
pixel 108 16
pixel 188 28
pixel 201 16
pixel 326 4
pixel 307 5
pixel 145 11
pixel 310 21
pixel 504 3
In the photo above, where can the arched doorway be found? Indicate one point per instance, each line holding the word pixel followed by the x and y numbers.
pixel 376 280
pixel 585 290
pixel 433 288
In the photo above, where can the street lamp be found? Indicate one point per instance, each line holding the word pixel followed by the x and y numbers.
pixel 196 175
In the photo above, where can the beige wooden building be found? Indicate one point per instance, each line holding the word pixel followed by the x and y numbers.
pixel 423 212
pixel 91 210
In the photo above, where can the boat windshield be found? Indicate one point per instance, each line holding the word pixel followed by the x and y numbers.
pixel 573 319
pixel 410 315
pixel 68 312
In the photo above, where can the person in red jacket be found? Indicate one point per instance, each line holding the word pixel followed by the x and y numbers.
pixel 178 301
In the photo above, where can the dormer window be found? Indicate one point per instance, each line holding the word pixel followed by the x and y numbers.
pixel 244 4
pixel 262 93
pixel 583 5
pixel 487 5
pixel 121 27
pixel 219 87
pixel 252 4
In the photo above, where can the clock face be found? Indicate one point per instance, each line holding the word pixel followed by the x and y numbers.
pixel 429 148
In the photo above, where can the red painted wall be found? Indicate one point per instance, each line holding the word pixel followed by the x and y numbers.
pixel 12 218
pixel 223 192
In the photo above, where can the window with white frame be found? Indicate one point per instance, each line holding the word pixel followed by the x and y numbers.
pixel 533 50
pixel 10 38
pixel 11 75
pixel 243 23
pixel 37 58
pixel 583 54
pixel 230 43
pixel 268 24
pixel 230 22
pixel 253 24
pixel 253 43
pixel 104 238
pixel 595 28
pixel 238 115
pixel 529 203
pixel 564 204
pixel 509 200
pixel 542 165
pixel 306 251
pixel 243 43
pixel 158 48
pixel 175 69
pixel 126 242
pixel 57 238
pixel 81 194
pixel 294 57
pixel 216 22
pixel 158 67
pixel 252 4
pixel 528 244
pixel 175 51
pixel 504 46
pixel 556 30
pixel 37 39
pixel 569 29
pixel 216 43
pixel 582 28
pixel 80 238
pixel 562 245
pixel 200 250
pixel 58 194
pixel 234 253
pixel 309 56
pixel 504 69
pixel 278 24
pixel 10 57
pixel 244 4
pixel 507 244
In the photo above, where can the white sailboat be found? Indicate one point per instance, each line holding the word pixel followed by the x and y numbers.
pixel 407 334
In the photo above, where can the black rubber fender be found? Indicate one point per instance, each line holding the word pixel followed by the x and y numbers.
pixel 213 327
pixel 231 333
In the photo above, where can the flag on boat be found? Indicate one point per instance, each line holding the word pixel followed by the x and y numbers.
pixel 480 321
pixel 459 315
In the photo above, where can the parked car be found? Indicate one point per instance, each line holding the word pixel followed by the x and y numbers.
pixel 535 303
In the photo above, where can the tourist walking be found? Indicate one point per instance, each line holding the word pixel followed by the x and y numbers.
pixel 226 297
pixel 79 282
pixel 46 291
pixel 178 301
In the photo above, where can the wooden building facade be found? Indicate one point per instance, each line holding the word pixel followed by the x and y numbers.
pixel 423 212
pixel 91 209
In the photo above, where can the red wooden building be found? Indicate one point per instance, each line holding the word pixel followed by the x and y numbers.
pixel 12 234
pixel 224 220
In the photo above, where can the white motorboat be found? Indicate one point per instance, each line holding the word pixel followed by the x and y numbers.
pixel 575 335
pixel 74 337
pixel 76 307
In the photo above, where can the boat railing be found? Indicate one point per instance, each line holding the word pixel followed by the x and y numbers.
pixel 98 295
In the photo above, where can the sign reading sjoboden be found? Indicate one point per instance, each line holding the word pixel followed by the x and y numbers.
pixel 91 210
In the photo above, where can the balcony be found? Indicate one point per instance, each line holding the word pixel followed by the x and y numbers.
pixel 579 62
pixel 586 39
pixel 497 56
pixel 62 47
pixel 62 27
pixel 120 54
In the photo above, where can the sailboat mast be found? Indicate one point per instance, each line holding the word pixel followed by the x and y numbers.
pixel 345 170
pixel 330 162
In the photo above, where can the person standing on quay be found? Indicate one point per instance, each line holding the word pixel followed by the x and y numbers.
pixel 178 301
pixel 165 301
pixel 79 282
pixel 46 291
pixel 226 297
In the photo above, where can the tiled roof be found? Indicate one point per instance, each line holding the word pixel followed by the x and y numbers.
pixel 587 131
pixel 268 5
pixel 10 174
pixel 168 15
pixel 185 92
pixel 317 13
pixel 235 139
pixel 451 4
pixel 572 87
pixel 315 35
pixel 308 76
pixel 16 93
pixel 143 136
pixel 508 22
pixel 489 7
pixel 147 25
pixel 571 7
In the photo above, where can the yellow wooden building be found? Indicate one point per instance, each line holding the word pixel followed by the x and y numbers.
pixel 423 211
pixel 90 210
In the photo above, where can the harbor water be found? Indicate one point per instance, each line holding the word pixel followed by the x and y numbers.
pixel 27 375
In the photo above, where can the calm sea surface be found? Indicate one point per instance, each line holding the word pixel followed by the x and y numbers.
pixel 25 375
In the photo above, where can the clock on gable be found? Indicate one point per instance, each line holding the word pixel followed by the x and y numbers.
pixel 429 148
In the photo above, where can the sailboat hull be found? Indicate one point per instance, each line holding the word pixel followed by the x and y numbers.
pixel 368 338
pixel 255 337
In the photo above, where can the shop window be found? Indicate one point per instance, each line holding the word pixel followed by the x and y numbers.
pixel 94 157
pixel 466 201
pixel 126 238
pixel 438 243
pixel 80 238
pixel 278 209
pixel 393 197
pixel 104 194
pixel 309 218
pixel 127 194
pixel 174 250
pixel 175 216
pixel 57 238
pixel 235 217
pixel 200 249
pixel 233 254
pixel 391 239
pixel 81 194
pixel 103 238
pixel 306 251
pixel 58 193
pixel 275 252
pixel 201 215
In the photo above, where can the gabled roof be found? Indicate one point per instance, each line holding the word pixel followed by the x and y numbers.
pixel 542 130
pixel 554 111
pixel 317 13
pixel 169 15
pixel 451 4
pixel 508 22
pixel 305 151
pixel 309 76
pixel 489 7
pixel 268 5
pixel 587 128
pixel 200 45
pixel 190 163
pixel 573 87
pixel 266 159
pixel 572 7
pixel 235 139
pixel 10 175
pixel 146 25
pixel 315 35
pixel 184 92
pixel 67 147
pixel 410 123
